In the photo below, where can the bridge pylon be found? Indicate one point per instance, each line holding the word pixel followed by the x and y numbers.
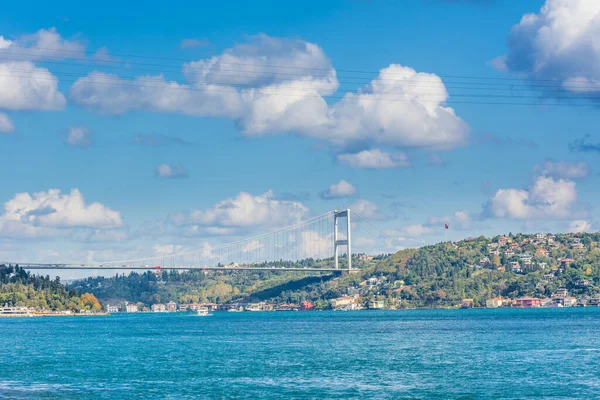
pixel 342 242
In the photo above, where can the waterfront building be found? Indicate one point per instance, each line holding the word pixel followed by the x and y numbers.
pixel 112 309
pixel 376 305
pixel 467 303
pixel 495 302
pixel 528 302
pixel 159 308
pixel 183 307
pixel 131 308
pixel 171 306
pixel 306 306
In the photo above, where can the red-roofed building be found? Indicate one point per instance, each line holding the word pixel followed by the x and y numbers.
pixel 528 302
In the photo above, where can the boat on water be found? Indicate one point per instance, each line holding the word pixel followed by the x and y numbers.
pixel 203 312
pixel 17 312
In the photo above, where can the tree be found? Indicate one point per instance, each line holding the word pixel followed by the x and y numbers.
pixel 91 302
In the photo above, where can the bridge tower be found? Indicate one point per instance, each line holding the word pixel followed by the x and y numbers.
pixel 342 242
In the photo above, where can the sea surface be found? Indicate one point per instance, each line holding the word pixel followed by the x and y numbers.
pixel 428 354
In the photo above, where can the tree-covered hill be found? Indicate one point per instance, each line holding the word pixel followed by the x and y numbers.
pixel 432 276
pixel 20 288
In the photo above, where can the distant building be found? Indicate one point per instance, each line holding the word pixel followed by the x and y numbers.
pixel 159 308
pixel 182 307
pixel 376 304
pixel 540 251
pixel 528 302
pixel 306 306
pixel 131 308
pixel 540 236
pixel 345 302
pixel 496 302
pixel 467 303
pixel 112 309
pixel 171 306
pixel 560 293
pixel 566 261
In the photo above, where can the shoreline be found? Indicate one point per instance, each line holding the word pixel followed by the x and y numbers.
pixel 35 315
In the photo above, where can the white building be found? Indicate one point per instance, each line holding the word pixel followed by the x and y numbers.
pixel 131 308
pixel 112 309
pixel 159 308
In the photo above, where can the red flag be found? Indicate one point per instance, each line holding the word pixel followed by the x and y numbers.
pixel 446 226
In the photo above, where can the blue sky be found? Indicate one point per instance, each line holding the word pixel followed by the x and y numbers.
pixel 139 155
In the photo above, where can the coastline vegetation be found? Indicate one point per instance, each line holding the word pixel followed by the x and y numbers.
pixel 19 288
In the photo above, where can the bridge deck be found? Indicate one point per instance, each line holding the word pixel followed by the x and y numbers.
pixel 176 267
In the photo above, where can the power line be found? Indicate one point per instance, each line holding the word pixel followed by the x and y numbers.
pixel 306 94
pixel 357 80
pixel 267 81
pixel 240 64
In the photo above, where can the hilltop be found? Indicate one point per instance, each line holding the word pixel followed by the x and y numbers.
pixel 439 275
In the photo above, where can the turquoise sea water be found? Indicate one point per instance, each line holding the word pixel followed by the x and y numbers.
pixel 432 354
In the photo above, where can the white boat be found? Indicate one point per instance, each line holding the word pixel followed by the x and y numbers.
pixel 203 312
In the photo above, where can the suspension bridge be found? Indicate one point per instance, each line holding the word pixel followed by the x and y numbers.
pixel 320 238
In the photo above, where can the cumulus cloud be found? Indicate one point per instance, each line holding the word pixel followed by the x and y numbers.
pixel 50 212
pixel 558 43
pixel 32 88
pixel 166 171
pixel 460 220
pixel 243 211
pixel 44 44
pixel 580 225
pixel 78 136
pixel 374 159
pixel 338 190
pixel 366 209
pixel 6 125
pixel 547 198
pixel 272 85
pixel 26 86
pixel 564 169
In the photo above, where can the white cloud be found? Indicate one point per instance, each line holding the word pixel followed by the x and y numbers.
pixel 460 220
pixel 338 190
pixel 580 226
pixel 166 171
pixel 559 43
pixel 374 159
pixel 243 211
pixel 564 169
pixel 26 86
pixel 104 56
pixel 167 249
pixel 366 209
pixel 417 230
pixel 272 85
pixel 546 198
pixel 31 88
pixel 6 125
pixel 50 212
pixel 78 136
pixel 44 44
